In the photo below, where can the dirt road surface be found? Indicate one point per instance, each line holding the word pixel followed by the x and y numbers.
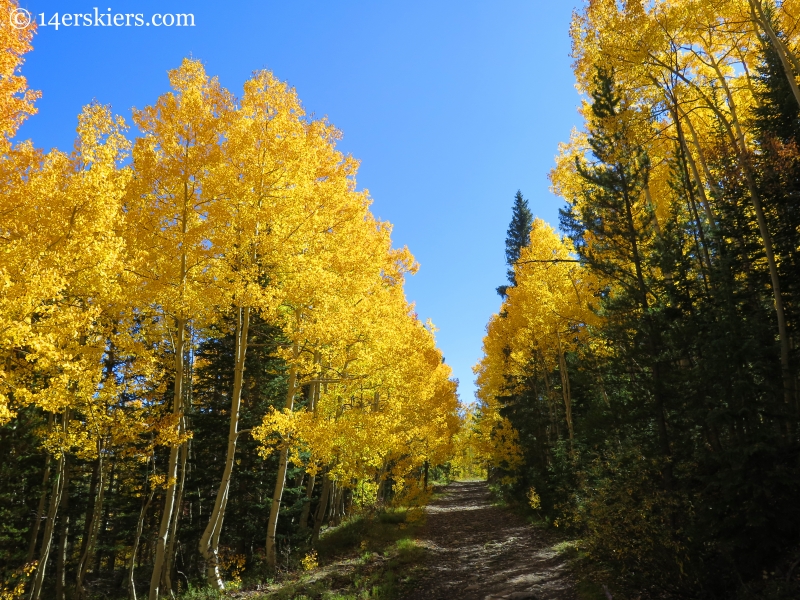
pixel 477 551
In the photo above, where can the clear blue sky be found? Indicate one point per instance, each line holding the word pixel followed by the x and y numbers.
pixel 450 106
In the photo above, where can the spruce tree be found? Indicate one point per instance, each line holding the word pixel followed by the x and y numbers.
pixel 517 236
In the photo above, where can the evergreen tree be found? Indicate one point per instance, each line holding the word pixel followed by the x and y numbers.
pixel 517 236
pixel 682 435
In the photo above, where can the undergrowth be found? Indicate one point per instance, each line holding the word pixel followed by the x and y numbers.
pixel 367 557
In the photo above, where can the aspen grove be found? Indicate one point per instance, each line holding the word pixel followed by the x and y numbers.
pixel 639 385
pixel 206 353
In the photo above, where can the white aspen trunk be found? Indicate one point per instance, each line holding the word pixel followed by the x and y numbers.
pixel 696 174
pixel 303 524
pixel 39 511
pixel 649 199
pixel 172 466
pixel 304 514
pixel 759 18
pixel 551 401
pixel 740 147
pixel 209 542
pixel 690 195
pixel 63 535
pixel 704 165
pixel 565 388
pixel 47 539
pixel 88 548
pixel 319 515
pixel 137 538
pixel 333 504
pixel 173 536
pixel 280 483
pixel 769 253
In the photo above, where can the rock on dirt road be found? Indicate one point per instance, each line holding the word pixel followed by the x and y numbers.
pixel 477 551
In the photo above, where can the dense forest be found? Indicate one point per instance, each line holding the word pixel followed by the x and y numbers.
pixel 208 361
pixel 206 353
pixel 639 386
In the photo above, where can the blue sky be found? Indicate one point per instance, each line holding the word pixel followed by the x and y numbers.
pixel 450 106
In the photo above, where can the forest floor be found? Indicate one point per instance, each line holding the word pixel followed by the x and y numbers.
pixel 461 547
pixel 479 551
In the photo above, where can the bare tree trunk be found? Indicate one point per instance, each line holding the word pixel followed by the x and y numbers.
pixel 209 542
pixel 565 391
pixel 333 512
pixel 52 512
pixel 315 392
pixel 88 518
pixel 381 481
pixel 551 401
pixel 173 536
pixel 172 466
pixel 93 526
pixel 684 147
pixel 769 252
pixel 340 506
pixel 136 540
pixel 706 171
pixel 39 510
pixel 740 147
pixel 102 528
pixel 272 524
pixel 696 174
pixel 63 536
pixel 759 18
pixel 319 515
pixel 307 506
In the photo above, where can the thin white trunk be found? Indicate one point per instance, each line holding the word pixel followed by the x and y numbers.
pixel 313 409
pixel 550 400
pixel 137 538
pixel 704 165
pixel 209 542
pixel 183 452
pixel 172 466
pixel 47 539
pixel 565 391
pixel 63 535
pixel 319 515
pixel 696 174
pixel 303 524
pixel 759 18
pixel 94 526
pixel 740 147
pixel 280 483
pixel 39 511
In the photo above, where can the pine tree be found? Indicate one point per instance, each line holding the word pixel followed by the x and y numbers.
pixel 517 237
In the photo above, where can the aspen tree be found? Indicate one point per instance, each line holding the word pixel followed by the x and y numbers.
pixel 262 172
pixel 170 231
pixel 643 46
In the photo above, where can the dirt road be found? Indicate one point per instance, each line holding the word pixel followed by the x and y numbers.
pixel 480 552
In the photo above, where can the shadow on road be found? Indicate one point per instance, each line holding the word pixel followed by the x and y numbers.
pixel 478 551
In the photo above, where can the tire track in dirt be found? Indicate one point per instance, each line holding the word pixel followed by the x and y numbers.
pixel 477 551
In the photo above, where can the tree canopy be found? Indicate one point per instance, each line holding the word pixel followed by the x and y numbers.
pixel 639 384
pixel 200 319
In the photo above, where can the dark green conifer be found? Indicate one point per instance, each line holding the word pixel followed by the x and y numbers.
pixel 517 237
